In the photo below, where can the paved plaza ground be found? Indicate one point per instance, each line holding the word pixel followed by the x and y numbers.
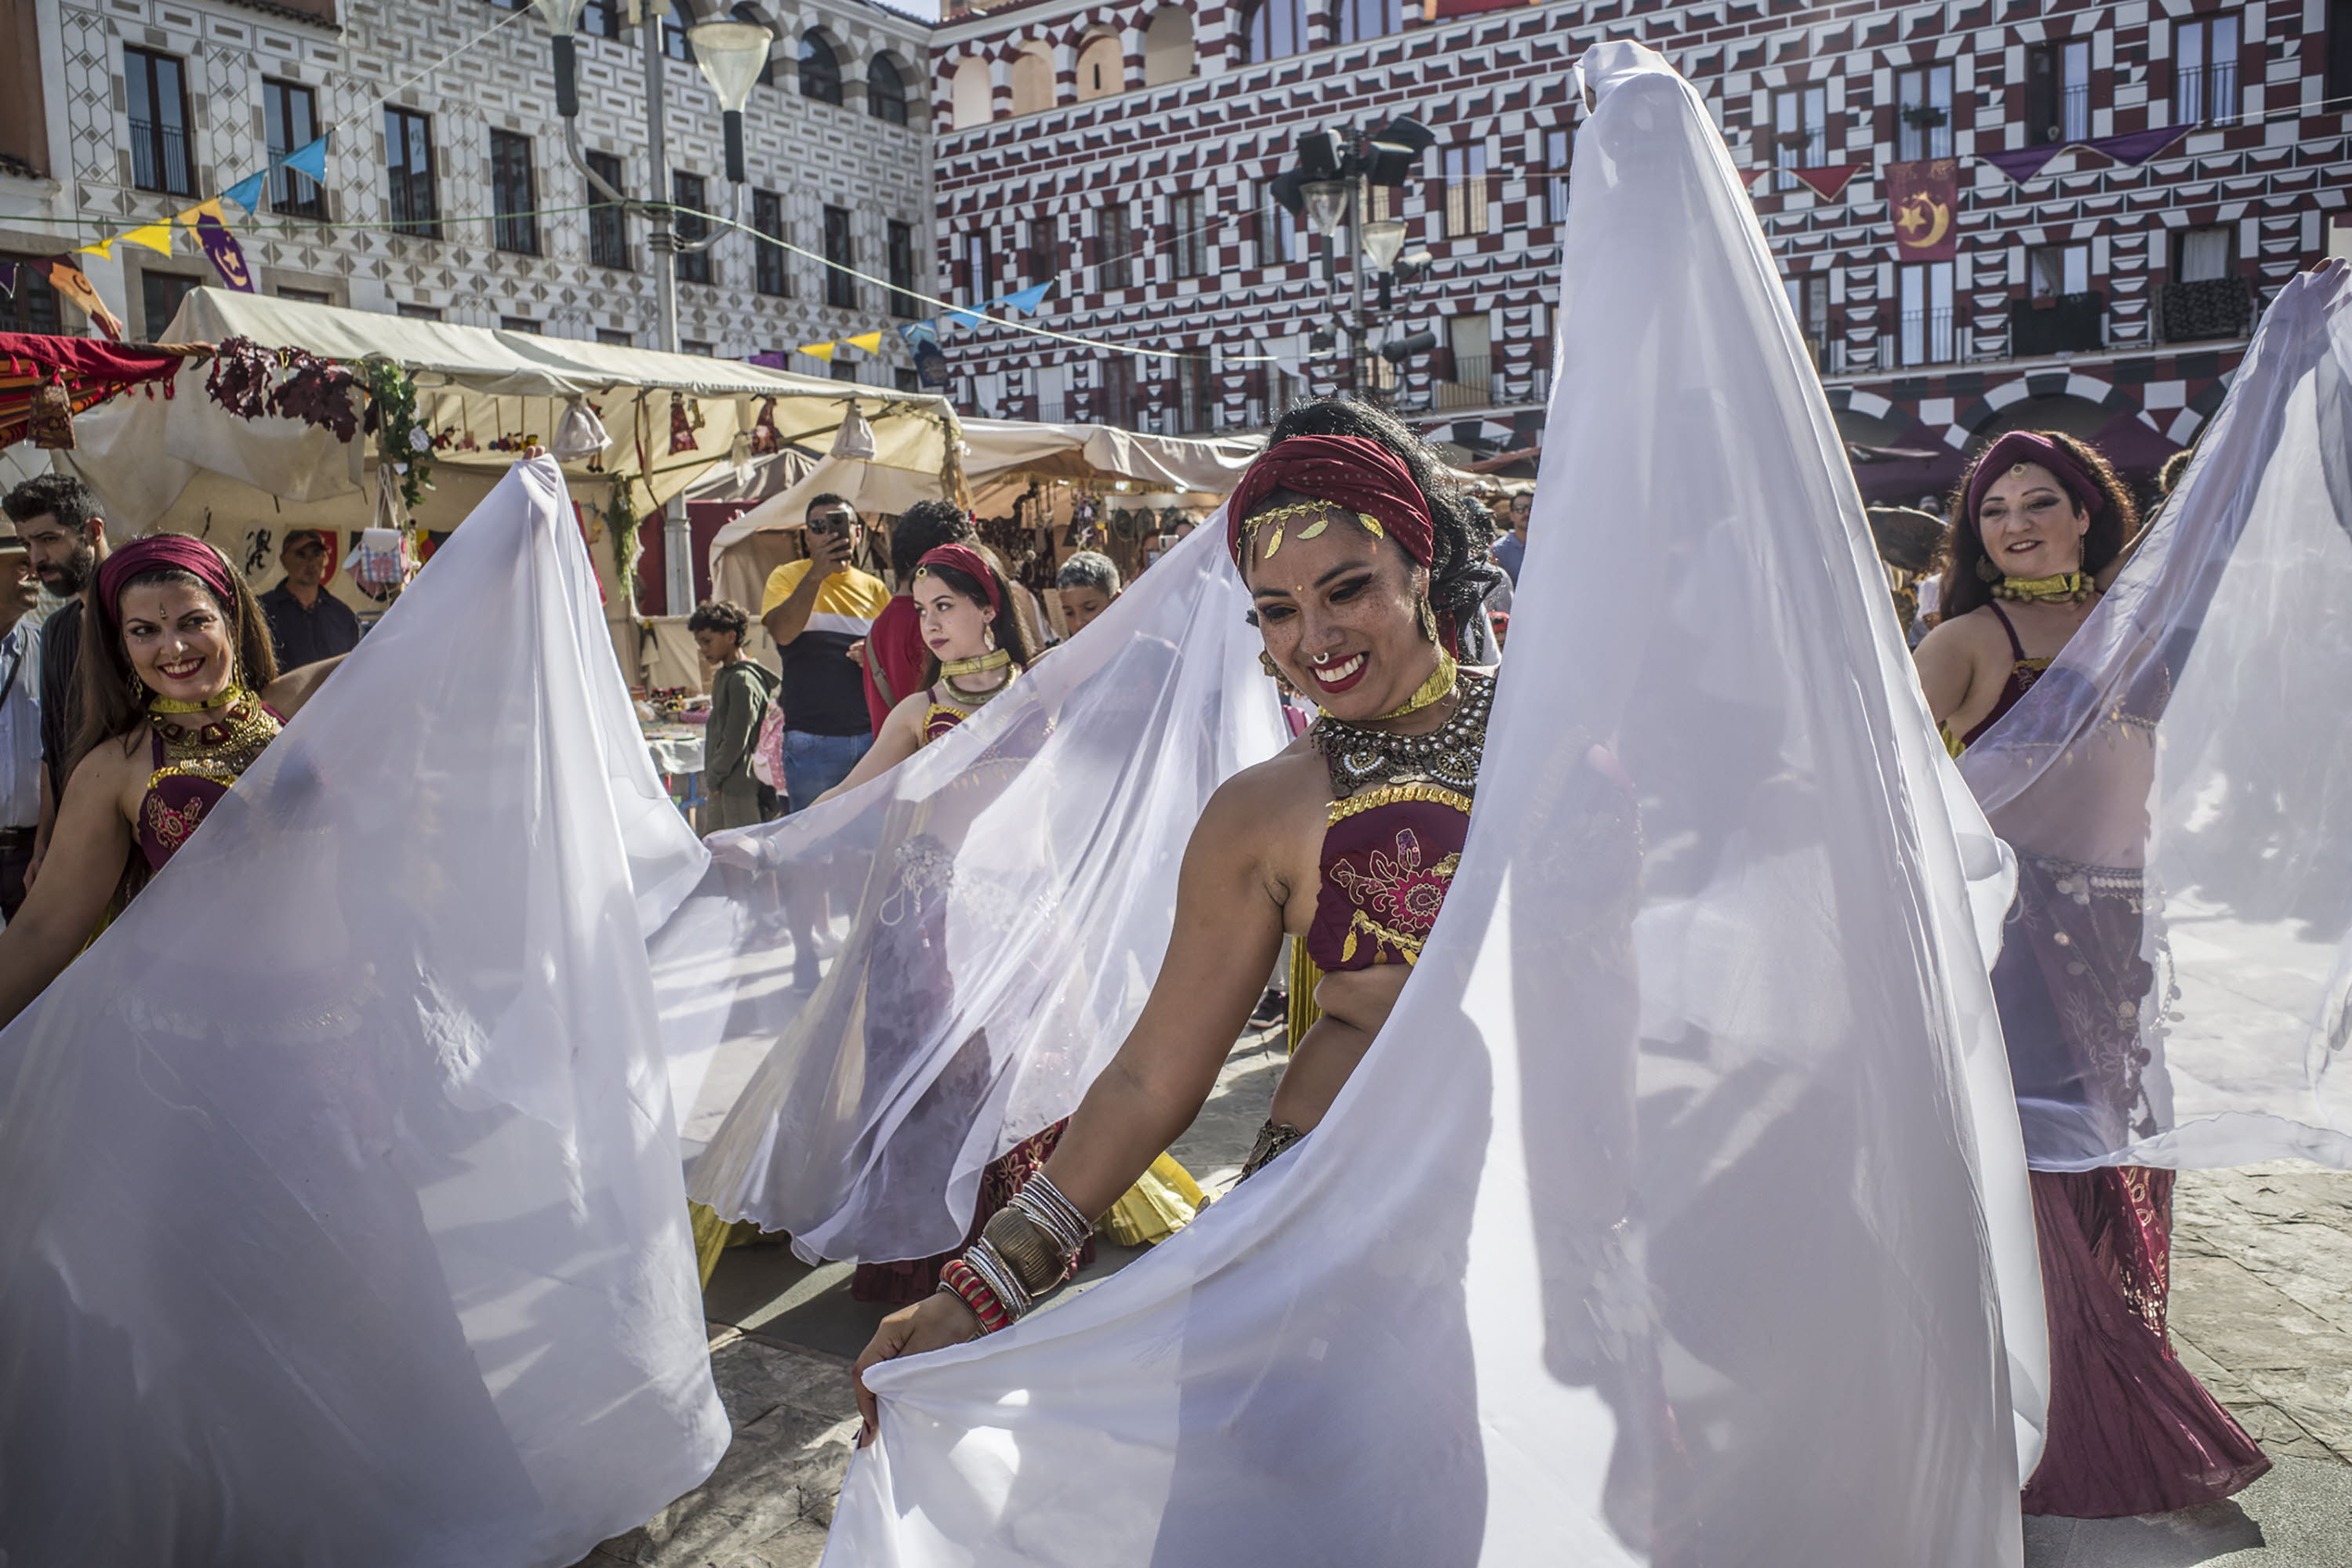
pixel 2261 1310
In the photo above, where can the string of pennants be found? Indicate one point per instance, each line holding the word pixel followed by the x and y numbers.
pixel 204 221
pixel 922 338
pixel 1923 196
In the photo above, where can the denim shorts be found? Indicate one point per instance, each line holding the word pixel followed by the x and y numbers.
pixel 815 763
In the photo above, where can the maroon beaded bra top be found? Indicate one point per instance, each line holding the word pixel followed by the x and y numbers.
pixel 194 768
pixel 1395 832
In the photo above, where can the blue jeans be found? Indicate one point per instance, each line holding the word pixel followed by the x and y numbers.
pixel 815 763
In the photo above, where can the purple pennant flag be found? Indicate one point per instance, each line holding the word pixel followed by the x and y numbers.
pixel 227 256
pixel 7 279
pixel 774 358
pixel 2021 164
pixel 2137 147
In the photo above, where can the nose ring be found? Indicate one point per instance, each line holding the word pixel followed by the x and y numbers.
pixel 1322 659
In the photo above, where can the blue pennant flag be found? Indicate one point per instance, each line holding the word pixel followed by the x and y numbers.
pixel 964 318
pixel 246 193
pixel 1027 300
pixel 311 159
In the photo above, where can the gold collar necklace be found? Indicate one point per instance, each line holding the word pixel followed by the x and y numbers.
pixel 2066 588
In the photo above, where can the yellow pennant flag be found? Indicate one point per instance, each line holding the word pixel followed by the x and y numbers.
pixel 870 341
pixel 103 249
pixel 211 209
pixel 820 351
pixel 155 236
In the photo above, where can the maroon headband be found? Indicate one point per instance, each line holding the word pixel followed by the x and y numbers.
pixel 971 564
pixel 162 552
pixel 1348 471
pixel 2025 447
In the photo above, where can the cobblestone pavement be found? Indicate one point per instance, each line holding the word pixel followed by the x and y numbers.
pixel 2261 1310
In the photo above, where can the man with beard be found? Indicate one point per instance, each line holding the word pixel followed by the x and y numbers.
pixel 20 723
pixel 57 517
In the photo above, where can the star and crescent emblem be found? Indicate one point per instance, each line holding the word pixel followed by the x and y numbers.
pixel 1923 221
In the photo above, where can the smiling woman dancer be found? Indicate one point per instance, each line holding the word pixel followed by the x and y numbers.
pixel 179 697
pixel 1355 559
pixel 2041 525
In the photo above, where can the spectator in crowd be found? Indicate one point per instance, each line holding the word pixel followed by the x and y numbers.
pixel 740 695
pixel 1086 585
pixel 20 722
pixel 895 654
pixel 818 609
pixel 307 624
pixel 2167 477
pixel 1513 546
pixel 57 517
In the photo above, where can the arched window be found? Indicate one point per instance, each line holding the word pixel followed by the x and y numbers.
pixel 1167 45
pixel 971 95
pixel 1032 79
pixel 1277 28
pixel 885 91
pixel 820 69
pixel 1102 67
pixel 1361 19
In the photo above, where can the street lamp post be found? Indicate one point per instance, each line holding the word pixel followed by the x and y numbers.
pixel 1330 185
pixel 730 54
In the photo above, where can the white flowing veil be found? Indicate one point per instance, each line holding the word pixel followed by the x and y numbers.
pixel 1001 902
pixel 343 1223
pixel 2176 985
pixel 1676 1215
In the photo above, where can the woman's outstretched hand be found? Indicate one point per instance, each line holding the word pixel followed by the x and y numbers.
pixel 933 1323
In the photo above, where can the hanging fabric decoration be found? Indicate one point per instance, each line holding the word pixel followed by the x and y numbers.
pixel 309 158
pixel 681 426
pixel 2024 163
pixel 246 193
pixel 2134 148
pixel 579 433
pixel 1922 202
pixel 49 419
pixel 155 237
pixel 2176 986
pixel 66 276
pixel 1828 180
pixel 1701 1001
pixel 963 318
pixel 8 280
pixel 227 256
pixel 818 351
pixel 1026 300
pixel 766 439
pixel 855 439
pixel 869 342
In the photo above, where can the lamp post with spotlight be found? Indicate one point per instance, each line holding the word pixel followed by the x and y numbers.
pixel 1329 184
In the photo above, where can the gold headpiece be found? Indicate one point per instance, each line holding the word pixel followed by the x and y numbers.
pixel 1277 516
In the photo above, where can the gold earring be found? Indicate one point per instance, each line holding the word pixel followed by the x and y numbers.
pixel 1986 571
pixel 1266 662
pixel 1428 622
pixel 988 640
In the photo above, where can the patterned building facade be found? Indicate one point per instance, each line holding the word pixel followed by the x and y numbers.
pixel 442 136
pixel 1124 153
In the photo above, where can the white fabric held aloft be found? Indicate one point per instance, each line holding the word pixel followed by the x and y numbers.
pixel 344 1225
pixel 1001 902
pixel 2192 732
pixel 1660 1223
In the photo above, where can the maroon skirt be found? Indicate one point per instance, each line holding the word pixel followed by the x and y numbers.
pixel 2131 1430
pixel 901 1284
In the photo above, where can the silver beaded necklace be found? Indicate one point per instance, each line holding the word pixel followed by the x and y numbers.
pixel 1448 755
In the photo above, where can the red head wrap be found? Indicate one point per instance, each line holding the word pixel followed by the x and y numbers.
pixel 1348 471
pixel 162 552
pixel 2025 447
pixel 971 564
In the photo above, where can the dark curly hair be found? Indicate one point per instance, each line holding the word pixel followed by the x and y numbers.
pixel 2112 527
pixel 923 528
pixel 1460 572
pixel 721 615
pixel 1004 626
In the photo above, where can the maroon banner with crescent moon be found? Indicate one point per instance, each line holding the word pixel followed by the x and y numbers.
pixel 1923 202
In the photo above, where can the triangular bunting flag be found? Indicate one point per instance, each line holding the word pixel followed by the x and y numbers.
pixel 2137 147
pixel 820 350
pixel 103 249
pixel 2022 164
pixel 311 159
pixel 1027 300
pixel 1828 180
pixel 7 279
pixel 870 341
pixel 66 276
pixel 201 211
pixel 918 333
pixel 246 193
pixel 221 248
pixel 156 237
pixel 964 318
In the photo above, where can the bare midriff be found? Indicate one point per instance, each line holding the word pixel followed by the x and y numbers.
pixel 1356 1004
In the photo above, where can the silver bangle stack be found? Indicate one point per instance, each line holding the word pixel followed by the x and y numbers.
pixel 1027 1246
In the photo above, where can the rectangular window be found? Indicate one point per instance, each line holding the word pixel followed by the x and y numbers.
pixel 1926 313
pixel 2205 69
pixel 1469 350
pixel 1801 117
pixel 674 40
pixel 2205 254
pixel 289 115
pixel 417 312
pixel 979 270
pixel 2075 91
pixel 1114 253
pixel 1037 256
pixel 34 306
pixel 519 324
pixel 1118 392
pixel 840 288
pixel 1923 113
pixel 1277 230
pixel 612 338
pixel 1188 213
pixel 408 163
pixel 1808 300
pixel 696 346
pixel 2051 270
pixel 160 294
pixel 900 260
pixel 1193 384
pixel 770 275
pixel 2339 49
pixel 307 295
pixel 156 88
pixel 1464 174
pixel 690 193
pixel 600 18
pixel 1559 152
pixel 514 194
pixel 608 221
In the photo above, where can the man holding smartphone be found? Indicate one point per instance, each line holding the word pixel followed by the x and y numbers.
pixel 815 609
